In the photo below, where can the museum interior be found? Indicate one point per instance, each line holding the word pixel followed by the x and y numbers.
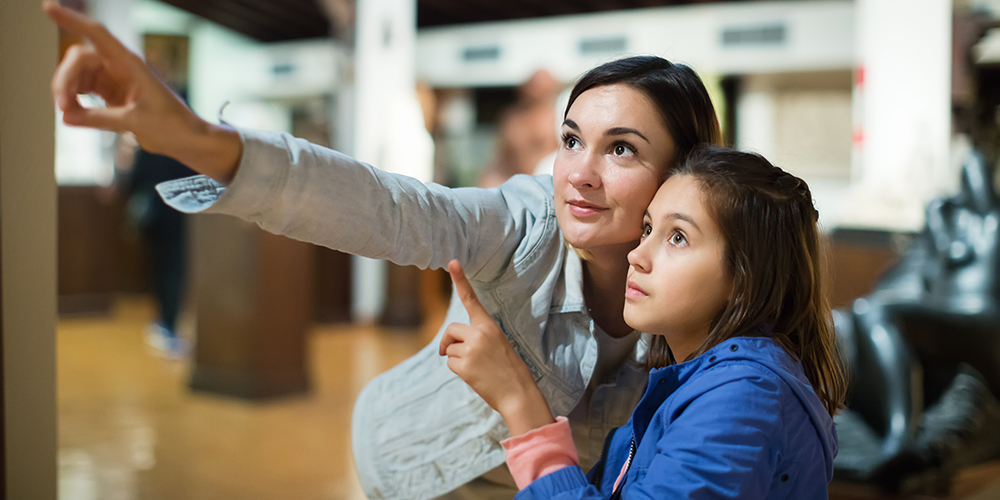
pixel 157 355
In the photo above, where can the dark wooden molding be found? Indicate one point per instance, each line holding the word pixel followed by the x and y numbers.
pixel 270 21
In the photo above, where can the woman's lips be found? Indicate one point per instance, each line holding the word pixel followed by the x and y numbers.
pixel 632 291
pixel 580 208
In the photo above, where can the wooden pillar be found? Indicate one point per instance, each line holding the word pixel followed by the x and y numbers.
pixel 28 54
pixel 253 297
pixel 403 307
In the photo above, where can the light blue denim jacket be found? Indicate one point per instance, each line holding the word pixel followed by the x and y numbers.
pixel 418 431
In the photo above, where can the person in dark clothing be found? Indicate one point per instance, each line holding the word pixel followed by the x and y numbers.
pixel 163 230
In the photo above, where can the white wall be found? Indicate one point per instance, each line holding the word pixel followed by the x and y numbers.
pixel 802 123
pixel 818 36
pixel 28 49
pixel 903 112
pixel 229 66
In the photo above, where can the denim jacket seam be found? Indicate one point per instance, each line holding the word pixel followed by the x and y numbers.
pixel 519 262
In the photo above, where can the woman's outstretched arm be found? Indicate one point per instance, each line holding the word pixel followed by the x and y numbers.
pixel 137 101
pixel 291 187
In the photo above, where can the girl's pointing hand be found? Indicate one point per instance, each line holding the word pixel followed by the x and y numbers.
pixel 480 354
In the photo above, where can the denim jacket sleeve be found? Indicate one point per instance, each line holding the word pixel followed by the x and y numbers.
pixel 715 440
pixel 291 187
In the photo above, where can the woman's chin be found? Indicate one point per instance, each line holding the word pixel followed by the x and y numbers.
pixel 580 236
pixel 596 236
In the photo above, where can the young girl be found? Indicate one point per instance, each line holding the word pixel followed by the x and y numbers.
pixel 746 377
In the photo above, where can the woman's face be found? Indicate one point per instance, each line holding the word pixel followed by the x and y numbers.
pixel 615 148
pixel 677 279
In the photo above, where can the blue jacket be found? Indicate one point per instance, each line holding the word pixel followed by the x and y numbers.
pixel 740 421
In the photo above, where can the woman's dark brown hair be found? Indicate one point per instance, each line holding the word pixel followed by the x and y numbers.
pixel 773 255
pixel 675 89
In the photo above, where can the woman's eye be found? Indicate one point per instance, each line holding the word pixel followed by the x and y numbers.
pixel 623 150
pixel 570 142
pixel 646 230
pixel 678 239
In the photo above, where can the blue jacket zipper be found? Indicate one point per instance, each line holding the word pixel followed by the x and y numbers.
pixel 617 494
pixel 624 473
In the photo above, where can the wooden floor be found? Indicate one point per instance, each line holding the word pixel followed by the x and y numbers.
pixel 130 429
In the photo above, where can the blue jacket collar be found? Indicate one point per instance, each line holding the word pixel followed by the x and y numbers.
pixel 763 350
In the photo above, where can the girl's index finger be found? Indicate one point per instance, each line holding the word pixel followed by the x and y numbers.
pixel 467 294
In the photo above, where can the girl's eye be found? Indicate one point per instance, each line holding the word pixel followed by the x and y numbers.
pixel 623 150
pixel 678 239
pixel 646 230
pixel 570 141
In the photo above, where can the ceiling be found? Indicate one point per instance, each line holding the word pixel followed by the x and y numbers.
pixel 444 12
pixel 271 21
pixel 265 20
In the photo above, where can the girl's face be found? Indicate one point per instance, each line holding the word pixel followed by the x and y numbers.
pixel 677 282
pixel 614 151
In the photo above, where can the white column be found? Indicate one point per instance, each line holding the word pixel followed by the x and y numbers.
pixel 28 51
pixel 383 76
pixel 756 118
pixel 903 113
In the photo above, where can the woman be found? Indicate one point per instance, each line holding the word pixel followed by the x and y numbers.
pixel 418 430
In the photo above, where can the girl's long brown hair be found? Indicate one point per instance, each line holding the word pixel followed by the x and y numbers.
pixel 774 256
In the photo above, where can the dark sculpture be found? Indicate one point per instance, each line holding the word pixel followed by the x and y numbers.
pixel 923 350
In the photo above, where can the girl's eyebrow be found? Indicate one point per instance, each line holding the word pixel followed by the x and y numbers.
pixel 611 131
pixel 679 216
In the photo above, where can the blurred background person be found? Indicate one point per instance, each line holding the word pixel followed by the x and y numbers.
pixel 164 235
pixel 527 131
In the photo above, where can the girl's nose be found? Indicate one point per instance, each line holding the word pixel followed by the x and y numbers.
pixel 637 259
pixel 585 173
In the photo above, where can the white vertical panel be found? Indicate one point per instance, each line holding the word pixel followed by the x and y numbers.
pixel 384 81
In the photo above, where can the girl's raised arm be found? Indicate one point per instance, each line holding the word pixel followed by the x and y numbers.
pixel 480 354
pixel 137 101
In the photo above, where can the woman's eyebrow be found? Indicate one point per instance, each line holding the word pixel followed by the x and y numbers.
pixel 624 131
pixel 611 131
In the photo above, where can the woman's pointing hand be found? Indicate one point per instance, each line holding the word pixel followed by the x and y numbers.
pixel 137 101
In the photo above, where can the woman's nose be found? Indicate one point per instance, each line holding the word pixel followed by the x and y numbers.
pixel 585 173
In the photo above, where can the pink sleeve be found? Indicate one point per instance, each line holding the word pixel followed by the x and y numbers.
pixel 540 451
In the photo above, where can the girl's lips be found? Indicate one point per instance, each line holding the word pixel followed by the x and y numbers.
pixel 632 291
pixel 580 208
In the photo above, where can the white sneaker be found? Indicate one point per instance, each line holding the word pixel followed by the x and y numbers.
pixel 164 344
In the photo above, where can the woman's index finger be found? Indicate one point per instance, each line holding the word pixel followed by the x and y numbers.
pixel 78 24
pixel 466 293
